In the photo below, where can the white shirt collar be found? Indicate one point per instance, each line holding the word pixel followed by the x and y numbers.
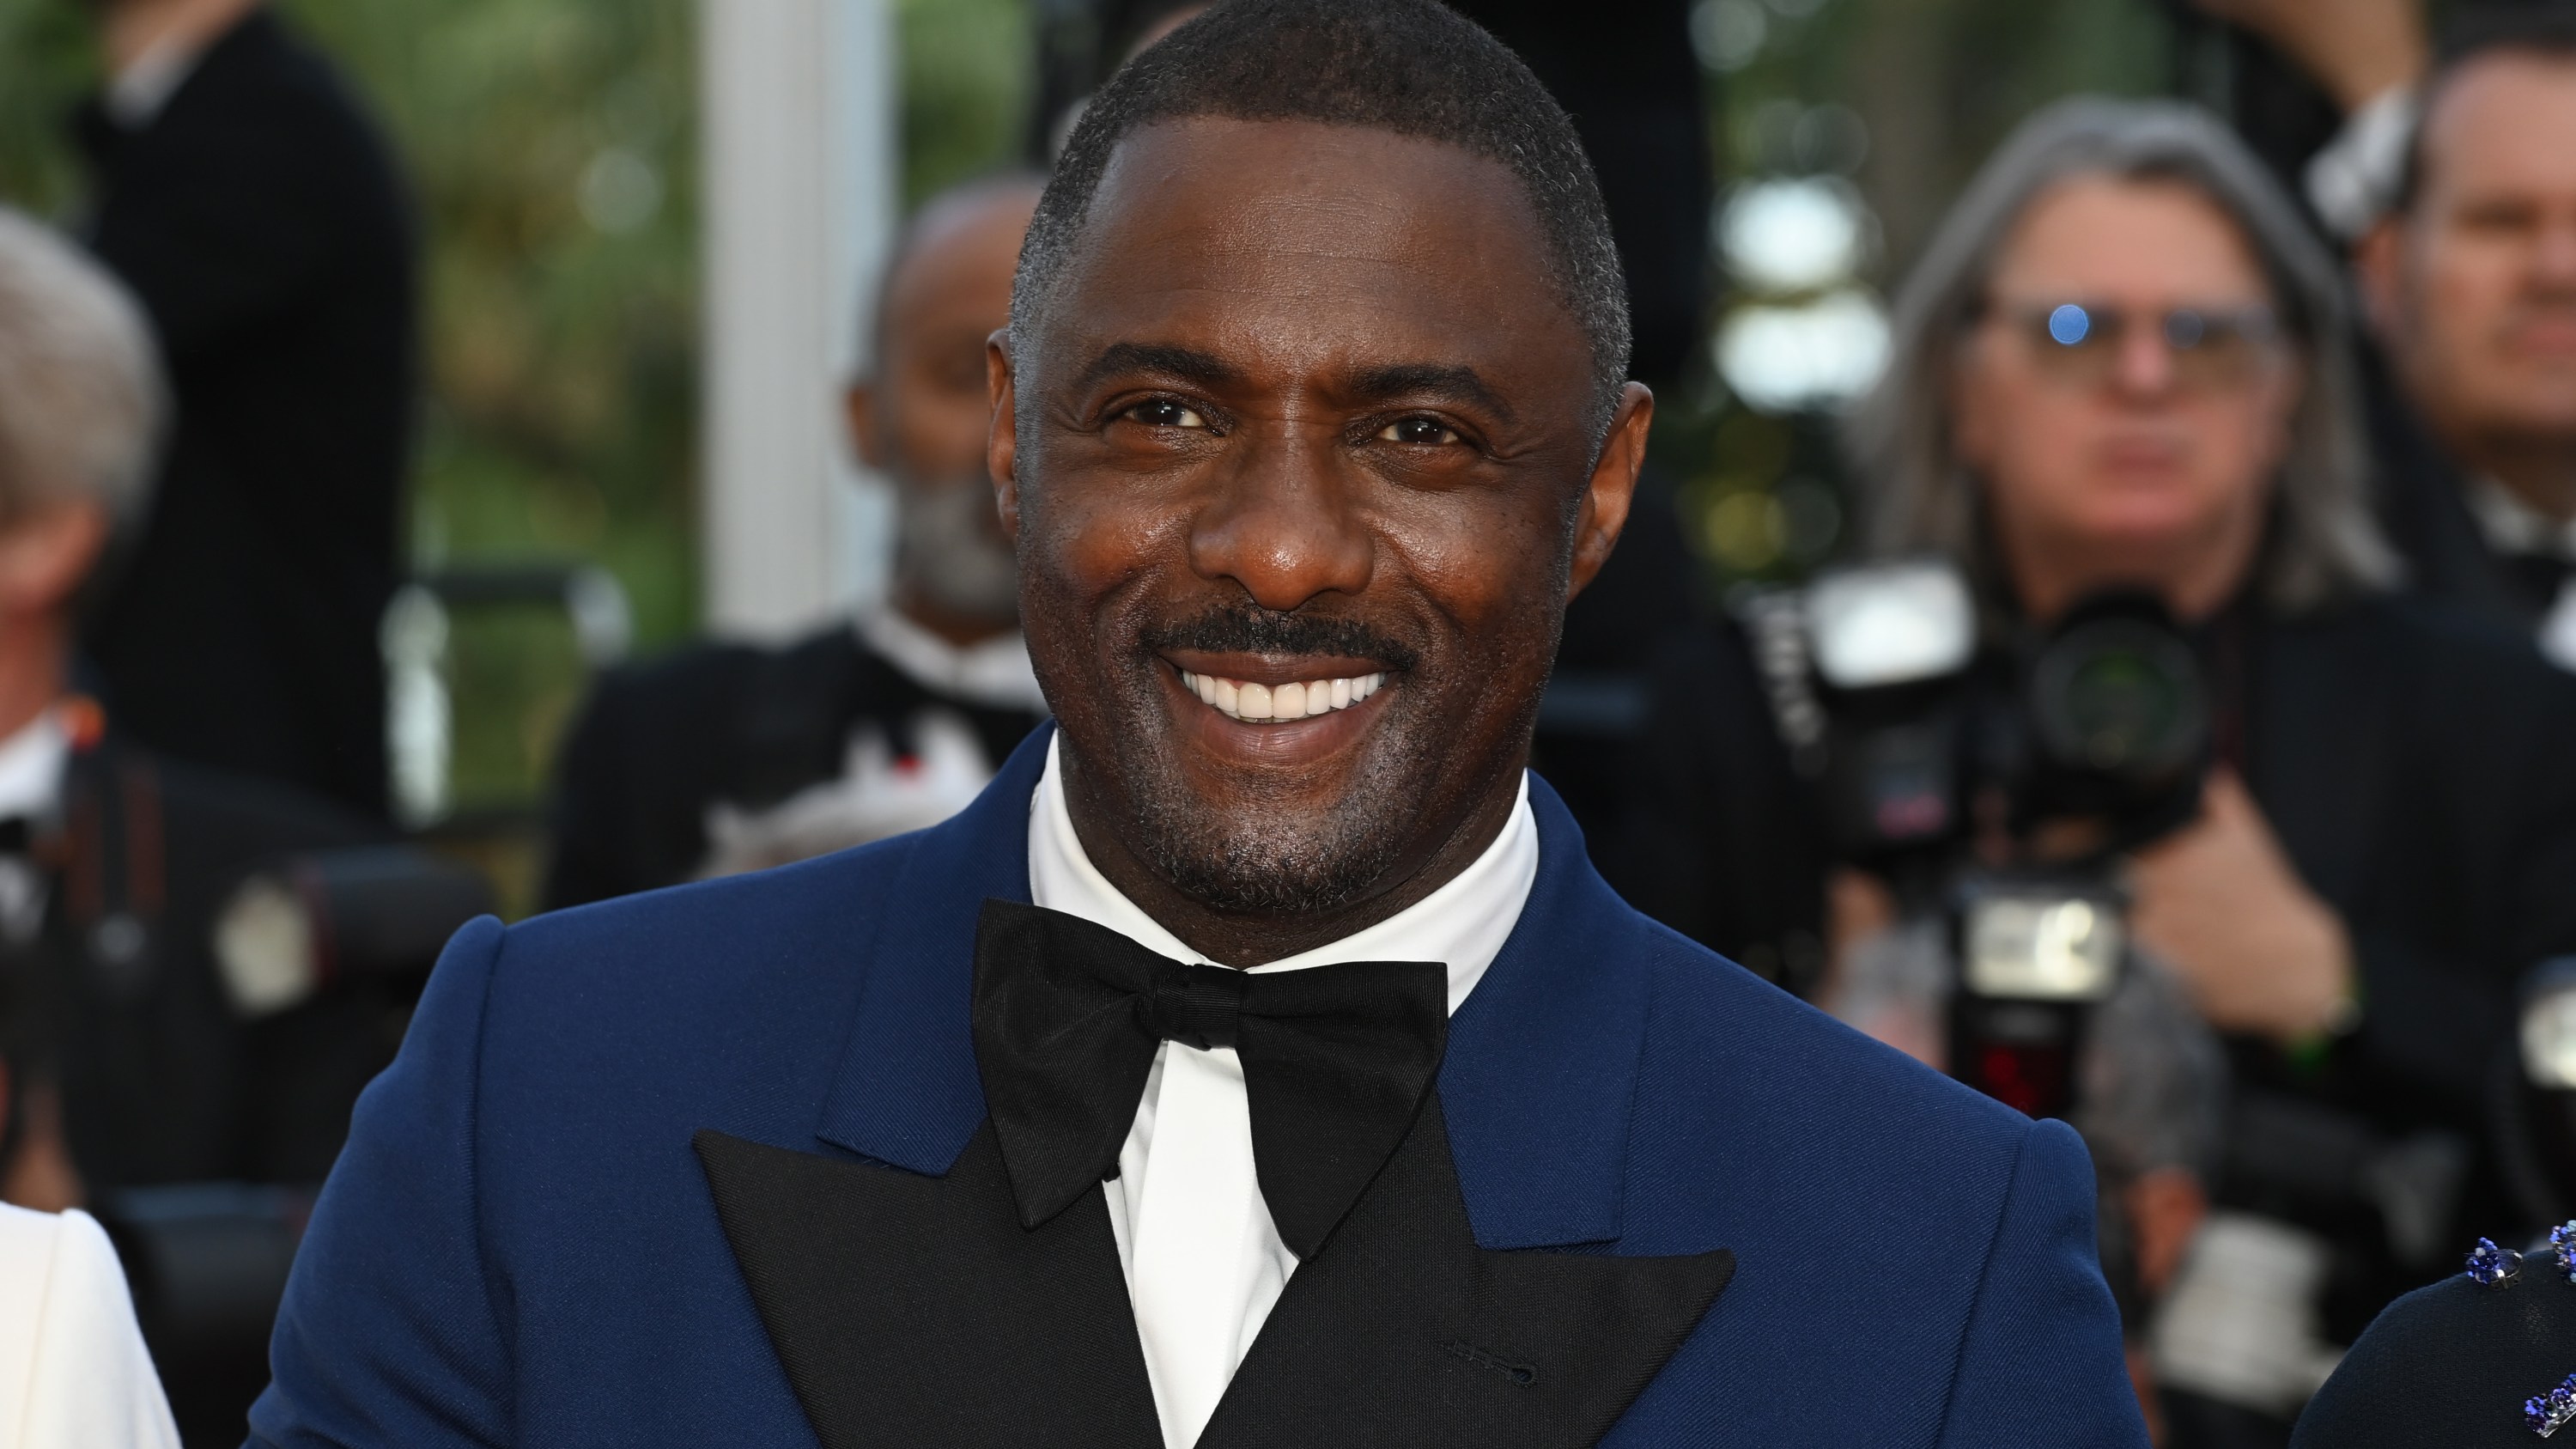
pixel 137 94
pixel 995 672
pixel 31 766
pixel 1463 924
pixel 2514 527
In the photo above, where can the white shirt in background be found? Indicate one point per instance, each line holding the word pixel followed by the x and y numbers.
pixel 1204 1264
pixel 31 767
pixel 73 1370
pixel 995 673
pixel 2512 526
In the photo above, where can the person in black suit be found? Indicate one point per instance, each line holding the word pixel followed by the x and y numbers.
pixel 155 1064
pixel 729 757
pixel 2471 285
pixel 242 195
pixel 148 1045
pixel 2120 364
pixel 2451 180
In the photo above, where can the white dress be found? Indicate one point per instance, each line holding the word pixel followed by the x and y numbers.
pixel 73 1370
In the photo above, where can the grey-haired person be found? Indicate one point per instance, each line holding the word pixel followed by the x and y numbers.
pixel 2122 363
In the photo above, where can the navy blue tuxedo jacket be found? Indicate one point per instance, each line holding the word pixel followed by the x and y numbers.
pixel 711 1166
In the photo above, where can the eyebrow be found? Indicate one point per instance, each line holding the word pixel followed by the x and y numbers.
pixel 1378 384
pixel 1186 363
pixel 1374 384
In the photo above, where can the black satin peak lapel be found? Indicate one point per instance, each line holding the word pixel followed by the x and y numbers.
pixel 1406 1335
pixel 916 1311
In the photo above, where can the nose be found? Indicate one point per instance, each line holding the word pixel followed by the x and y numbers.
pixel 1285 522
pixel 2146 364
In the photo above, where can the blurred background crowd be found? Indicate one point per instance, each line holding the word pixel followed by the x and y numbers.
pixel 2100 616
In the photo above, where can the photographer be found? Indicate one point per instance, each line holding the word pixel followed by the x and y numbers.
pixel 2120 365
pixel 161 1040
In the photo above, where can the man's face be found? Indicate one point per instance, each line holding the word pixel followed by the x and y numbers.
pixel 2475 289
pixel 1302 474
pixel 2126 460
pixel 923 420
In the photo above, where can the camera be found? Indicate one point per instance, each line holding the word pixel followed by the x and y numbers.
pixel 1994 778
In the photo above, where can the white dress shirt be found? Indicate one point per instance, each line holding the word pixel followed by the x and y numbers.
pixel 1204 1264
pixel 996 672
pixel 31 767
pixel 2512 526
pixel 878 793
pixel 73 1370
pixel 137 94
pixel 32 762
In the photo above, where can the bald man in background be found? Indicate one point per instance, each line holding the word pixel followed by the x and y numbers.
pixel 2471 289
pixel 731 757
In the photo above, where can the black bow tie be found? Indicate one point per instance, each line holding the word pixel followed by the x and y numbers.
pixel 1068 1016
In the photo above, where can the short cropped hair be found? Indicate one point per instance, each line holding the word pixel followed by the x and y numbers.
pixel 2547 32
pixel 1413 67
pixel 2325 543
pixel 81 395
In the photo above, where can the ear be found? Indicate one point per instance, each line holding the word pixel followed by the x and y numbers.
pixel 1002 444
pixel 46 553
pixel 859 412
pixel 1612 487
pixel 2378 263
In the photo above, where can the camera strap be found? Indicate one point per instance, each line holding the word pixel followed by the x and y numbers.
pixel 113 889
pixel 1774 621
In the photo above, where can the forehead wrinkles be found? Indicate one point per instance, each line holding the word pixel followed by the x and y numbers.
pixel 2500 119
pixel 1336 237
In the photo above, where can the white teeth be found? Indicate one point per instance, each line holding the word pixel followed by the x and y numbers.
pixel 1277 704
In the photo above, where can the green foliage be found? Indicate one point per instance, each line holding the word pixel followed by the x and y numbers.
pixel 552 146
pixel 45 67
pixel 968 76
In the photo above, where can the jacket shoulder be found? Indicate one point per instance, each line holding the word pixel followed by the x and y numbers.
pixel 2440 644
pixel 1737 1070
pixel 830 903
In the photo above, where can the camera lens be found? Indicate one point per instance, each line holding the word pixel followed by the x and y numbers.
pixel 2120 697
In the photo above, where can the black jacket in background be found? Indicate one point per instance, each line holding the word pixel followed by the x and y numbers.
pixel 162 1081
pixel 2425 511
pixel 2416 764
pixel 260 220
pixel 737 724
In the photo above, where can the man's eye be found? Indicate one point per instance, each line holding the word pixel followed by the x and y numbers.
pixel 1164 413
pixel 1422 432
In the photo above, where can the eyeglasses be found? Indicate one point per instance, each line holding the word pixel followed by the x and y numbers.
pixel 2210 347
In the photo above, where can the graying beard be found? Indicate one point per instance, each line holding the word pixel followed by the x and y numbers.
pixel 1318 867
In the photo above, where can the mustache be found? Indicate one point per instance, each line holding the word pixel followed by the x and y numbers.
pixel 1247 628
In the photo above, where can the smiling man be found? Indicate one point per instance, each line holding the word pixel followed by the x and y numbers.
pixel 1258 1062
